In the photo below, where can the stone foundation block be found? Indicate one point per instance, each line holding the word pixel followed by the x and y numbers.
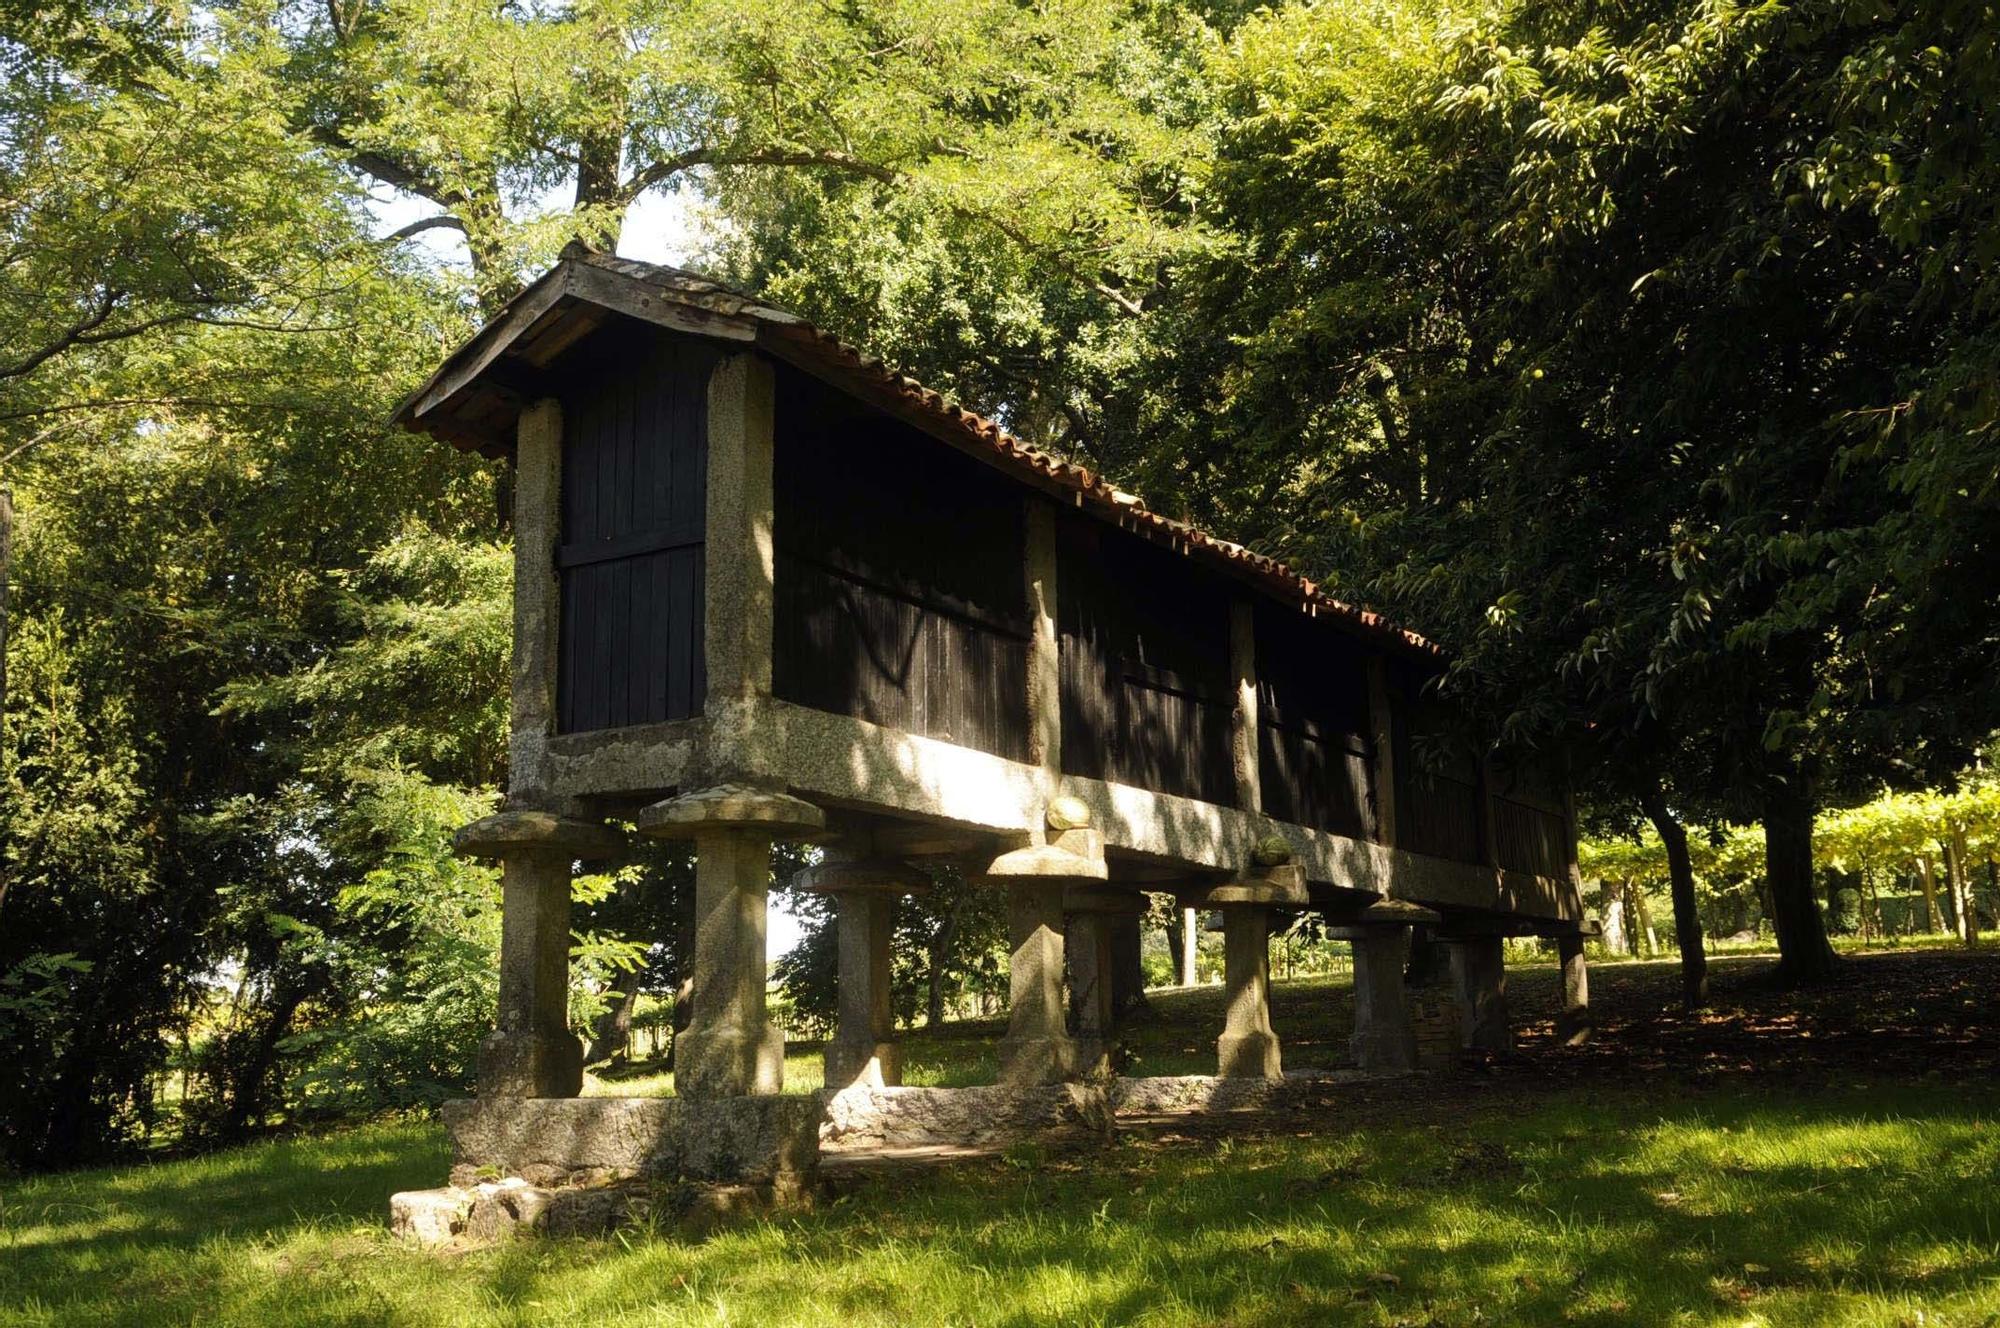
pixel 496 1211
pixel 1434 1018
pixel 430 1217
pixel 863 1064
pixel 735 1140
pixel 989 1116
pixel 1249 1056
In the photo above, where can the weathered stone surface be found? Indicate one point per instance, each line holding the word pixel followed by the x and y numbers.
pixel 1156 1095
pixel 720 1139
pixel 1384 1040
pixel 490 1212
pixel 1046 862
pixel 731 807
pixel 1573 1024
pixel 430 1217
pixel 501 833
pixel 1068 813
pixel 888 876
pixel 988 1116
pixel 1479 970
pixel 1271 851
pixel 1434 1022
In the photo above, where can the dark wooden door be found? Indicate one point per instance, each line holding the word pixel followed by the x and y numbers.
pixel 634 503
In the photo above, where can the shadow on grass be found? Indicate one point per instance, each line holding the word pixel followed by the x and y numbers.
pixel 1589 1208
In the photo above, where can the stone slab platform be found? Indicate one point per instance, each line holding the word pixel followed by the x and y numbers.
pixel 767 1140
pixel 983 1117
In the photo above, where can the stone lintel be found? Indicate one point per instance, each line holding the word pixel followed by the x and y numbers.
pixel 1105 899
pixel 506 832
pixel 732 807
pixel 886 876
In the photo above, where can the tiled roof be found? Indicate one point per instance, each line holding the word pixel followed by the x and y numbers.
pixel 787 334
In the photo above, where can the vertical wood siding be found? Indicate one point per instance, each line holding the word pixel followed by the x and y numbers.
pixel 1146 691
pixel 1438 803
pixel 901 596
pixel 634 498
pixel 1315 761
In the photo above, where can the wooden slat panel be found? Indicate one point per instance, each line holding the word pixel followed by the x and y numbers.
pixel 1146 697
pixel 1531 839
pixel 634 459
pixel 901 596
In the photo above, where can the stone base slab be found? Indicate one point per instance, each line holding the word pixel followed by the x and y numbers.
pixel 989 1116
pixel 1157 1095
pixel 495 1211
pixel 544 1140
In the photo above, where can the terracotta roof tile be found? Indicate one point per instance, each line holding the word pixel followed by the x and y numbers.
pixel 1091 490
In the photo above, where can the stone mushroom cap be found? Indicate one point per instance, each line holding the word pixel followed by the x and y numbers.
pixel 503 832
pixel 1398 912
pixel 1046 862
pixel 865 876
pixel 732 807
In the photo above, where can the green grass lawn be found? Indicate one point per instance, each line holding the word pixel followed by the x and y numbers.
pixel 1545 1195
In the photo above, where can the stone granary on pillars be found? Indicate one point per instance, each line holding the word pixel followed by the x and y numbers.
pixel 767 589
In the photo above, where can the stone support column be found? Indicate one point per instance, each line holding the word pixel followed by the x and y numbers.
pixel 1382 739
pixel 863 1051
pixel 1478 968
pixel 1384 1041
pixel 1243 746
pixel 1037 1048
pixel 537 609
pixel 1247 1048
pixel 1044 649
pixel 531 1052
pixel 1094 914
pixel 730 1049
pixel 739 577
pixel 1573 1024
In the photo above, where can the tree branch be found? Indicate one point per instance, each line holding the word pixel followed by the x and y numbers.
pixel 416 228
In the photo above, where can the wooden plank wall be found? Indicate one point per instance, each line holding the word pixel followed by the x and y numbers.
pixel 1314 755
pixel 1530 831
pixel 1146 690
pixel 634 498
pixel 1437 808
pixel 901 596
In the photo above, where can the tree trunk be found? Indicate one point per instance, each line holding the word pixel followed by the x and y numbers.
pixel 1128 970
pixel 1804 954
pixel 1961 888
pixel 611 1037
pixel 1927 881
pixel 1644 915
pixel 1687 917
pixel 6 573
pixel 942 941
pixel 1617 935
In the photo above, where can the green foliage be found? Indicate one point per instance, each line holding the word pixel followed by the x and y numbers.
pixel 420 934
